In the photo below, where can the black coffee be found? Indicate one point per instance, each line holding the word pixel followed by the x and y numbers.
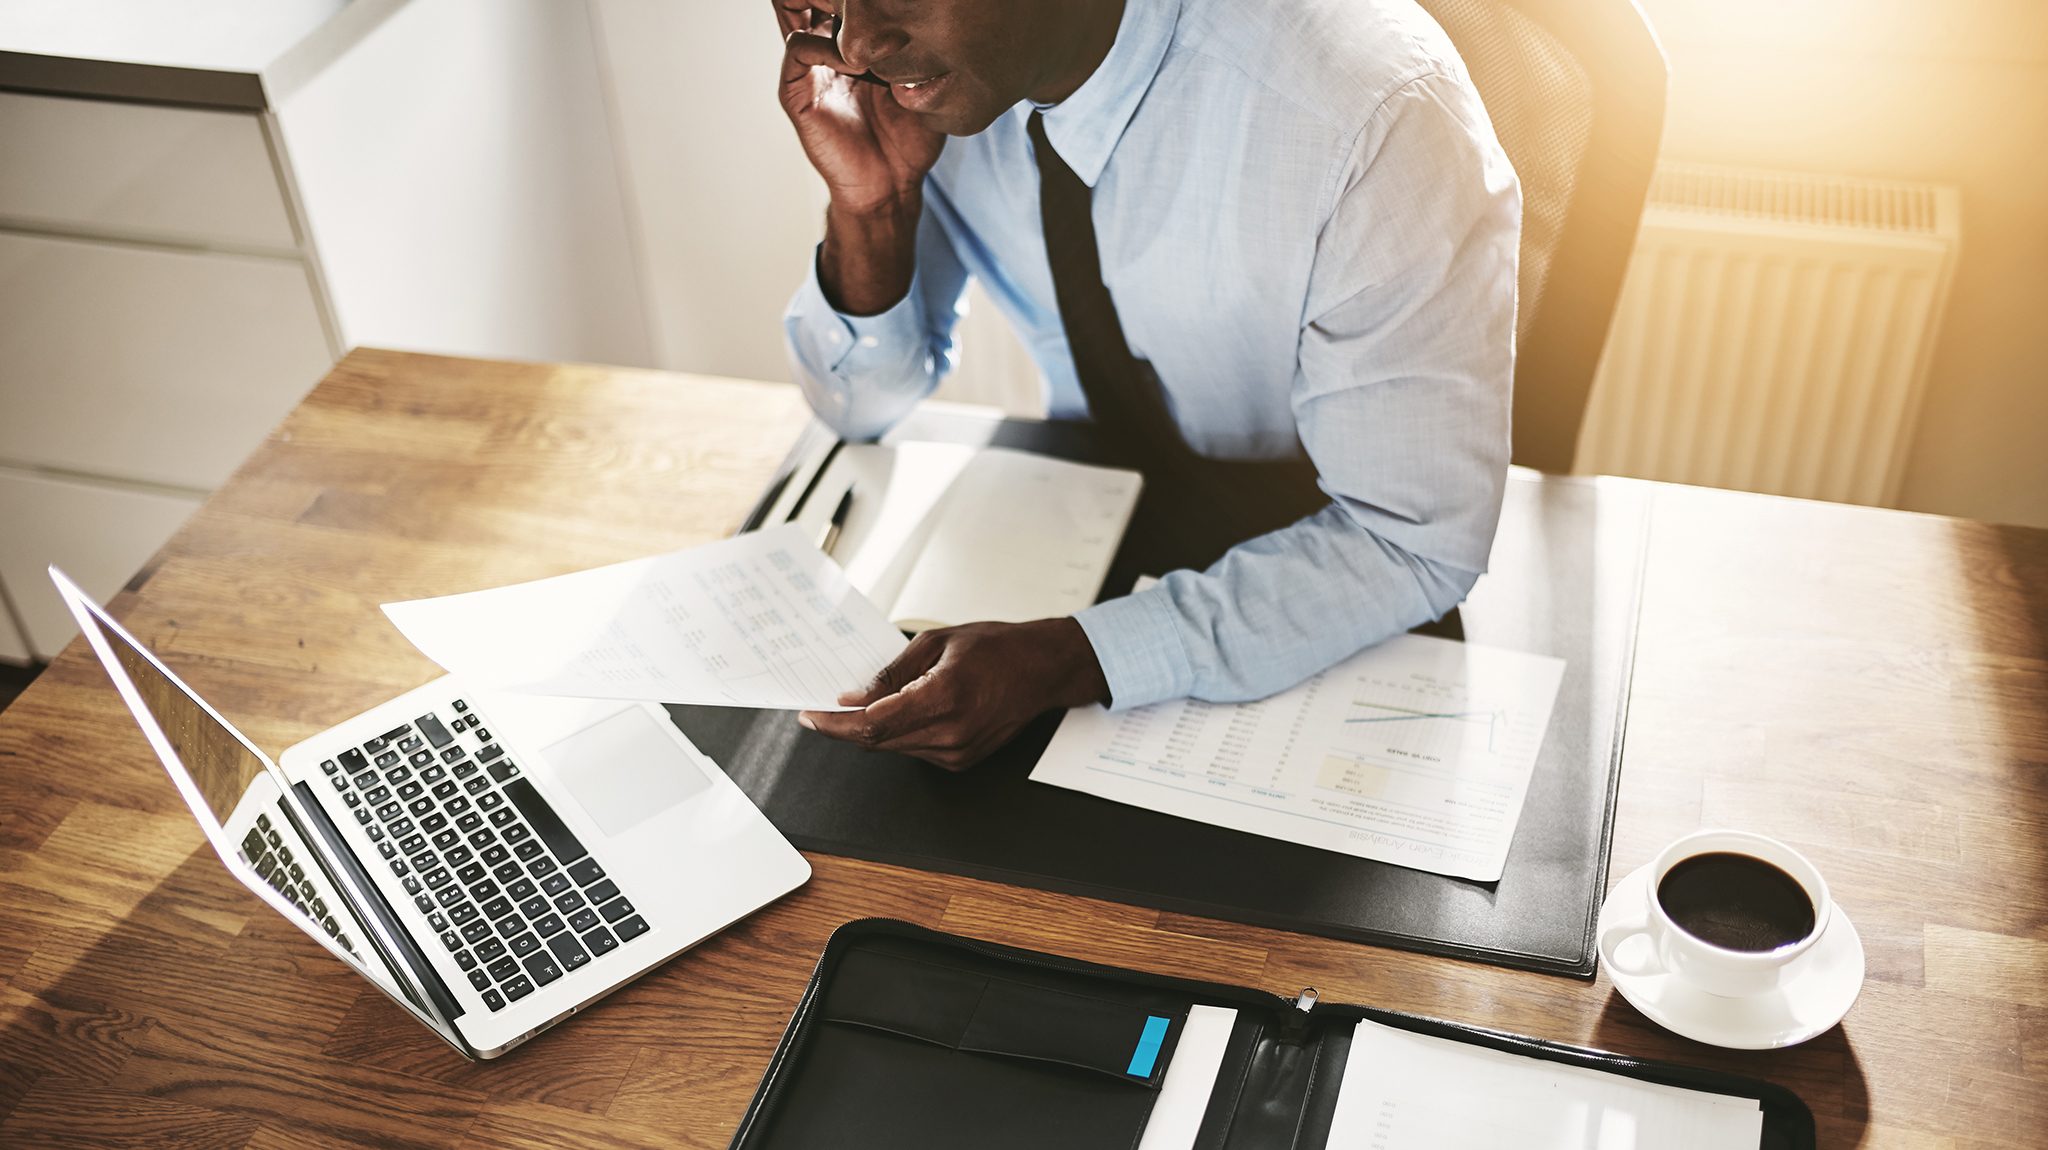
pixel 1736 901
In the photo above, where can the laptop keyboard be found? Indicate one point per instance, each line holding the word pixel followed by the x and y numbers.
pixel 266 850
pixel 507 887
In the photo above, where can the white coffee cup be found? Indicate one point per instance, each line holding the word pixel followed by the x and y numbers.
pixel 1714 969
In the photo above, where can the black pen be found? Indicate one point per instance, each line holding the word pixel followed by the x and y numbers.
pixel 830 538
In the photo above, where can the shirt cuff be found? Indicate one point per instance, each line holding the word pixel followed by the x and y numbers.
pixel 852 346
pixel 1137 641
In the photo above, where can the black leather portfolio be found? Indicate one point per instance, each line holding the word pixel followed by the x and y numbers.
pixel 1563 581
pixel 908 1039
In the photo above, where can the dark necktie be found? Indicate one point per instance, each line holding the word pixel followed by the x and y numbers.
pixel 1124 399
pixel 1201 507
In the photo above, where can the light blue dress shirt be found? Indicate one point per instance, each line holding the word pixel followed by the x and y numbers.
pixel 1311 233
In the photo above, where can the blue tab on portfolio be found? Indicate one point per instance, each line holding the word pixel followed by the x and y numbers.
pixel 1147 1053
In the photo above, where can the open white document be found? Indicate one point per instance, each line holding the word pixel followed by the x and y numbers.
pixel 939 534
pixel 1190 1079
pixel 761 620
pixel 1416 752
pixel 1406 1091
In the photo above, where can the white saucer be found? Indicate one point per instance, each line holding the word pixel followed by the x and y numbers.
pixel 1813 993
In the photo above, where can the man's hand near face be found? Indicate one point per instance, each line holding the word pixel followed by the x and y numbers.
pixel 957 693
pixel 872 154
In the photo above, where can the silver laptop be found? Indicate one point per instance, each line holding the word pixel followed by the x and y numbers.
pixel 492 863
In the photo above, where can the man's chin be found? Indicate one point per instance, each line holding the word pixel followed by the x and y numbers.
pixel 967 120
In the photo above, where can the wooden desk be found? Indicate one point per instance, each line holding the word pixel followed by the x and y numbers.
pixel 1870 685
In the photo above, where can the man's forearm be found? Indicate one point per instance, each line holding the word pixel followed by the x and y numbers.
pixel 868 257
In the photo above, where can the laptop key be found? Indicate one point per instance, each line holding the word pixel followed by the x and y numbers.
pixel 447 838
pixel 451 940
pixel 555 883
pixel 385 760
pixel 438 921
pixel 464 770
pixel 450 895
pixel 541 867
pixel 585 872
pixel 568 951
pixel 477 786
pixel 430 726
pixel 362 816
pixel 436 878
pixel 419 806
pixel 569 902
pixel 541 965
pixel 409 744
pixel 341 782
pixel 452 754
pixel 525 944
pixel 284 854
pixel 630 928
pixel 424 902
pixel 461 913
pixel 545 822
pixel 425 861
pixel 377 796
pixel 434 822
pixel 489 753
pixel 548 924
pixel 388 849
pixel 483 838
pixel 353 761
pixel 615 910
pixel 412 884
pixel 469 822
pixel 460 706
pixel 489 949
pixel 252 843
pixel 477 975
pixel 500 911
pixel 470 873
pixel 480 732
pixel 398 775
pixel 421 759
pixel 504 968
pixel 533 907
pixel 520 890
pixel 434 774
pixel 456 806
pixel 494 1000
pixel 583 920
pixel 477 931
pixel 518 988
pixel 503 815
pixel 266 866
pixel 495 854
pixel 413 844
pixel 273 838
pixel 600 941
pixel 327 767
pixel 375 832
pixel 483 890
pixel 602 893
pixel 412 790
pixel 526 848
pixel 389 811
pixel 504 771
pixel 402 826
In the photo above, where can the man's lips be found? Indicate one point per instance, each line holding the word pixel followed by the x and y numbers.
pixel 919 93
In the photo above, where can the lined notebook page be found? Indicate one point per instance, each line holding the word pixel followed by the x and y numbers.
pixel 1405 1091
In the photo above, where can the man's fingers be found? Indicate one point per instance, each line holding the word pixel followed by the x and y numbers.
pixel 803 51
pixel 914 660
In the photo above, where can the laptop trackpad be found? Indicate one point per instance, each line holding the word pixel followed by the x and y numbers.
pixel 624 769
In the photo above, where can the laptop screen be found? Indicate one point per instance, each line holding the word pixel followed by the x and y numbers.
pixel 220 764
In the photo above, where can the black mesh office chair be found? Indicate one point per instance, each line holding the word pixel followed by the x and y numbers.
pixel 1576 92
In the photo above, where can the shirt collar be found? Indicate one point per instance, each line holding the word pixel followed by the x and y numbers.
pixel 1085 127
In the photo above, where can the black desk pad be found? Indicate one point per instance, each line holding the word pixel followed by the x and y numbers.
pixel 1564 580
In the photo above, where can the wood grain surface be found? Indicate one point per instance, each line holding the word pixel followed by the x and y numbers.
pixel 1871 686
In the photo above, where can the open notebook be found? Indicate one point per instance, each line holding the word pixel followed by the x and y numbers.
pixel 940 534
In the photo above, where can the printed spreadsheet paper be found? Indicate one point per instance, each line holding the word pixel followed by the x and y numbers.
pixel 1416 752
pixel 761 620
pixel 1407 1091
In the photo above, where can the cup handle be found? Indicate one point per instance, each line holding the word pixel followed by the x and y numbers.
pixel 1611 939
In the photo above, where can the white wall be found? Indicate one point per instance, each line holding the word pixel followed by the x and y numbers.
pixel 725 207
pixel 1951 92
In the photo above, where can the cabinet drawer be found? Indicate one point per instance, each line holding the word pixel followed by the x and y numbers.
pixel 139 363
pixel 99 534
pixel 139 169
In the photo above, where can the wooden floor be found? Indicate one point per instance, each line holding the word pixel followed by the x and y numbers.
pixel 1871 686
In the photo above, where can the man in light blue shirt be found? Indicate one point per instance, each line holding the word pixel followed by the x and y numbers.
pixel 1310 233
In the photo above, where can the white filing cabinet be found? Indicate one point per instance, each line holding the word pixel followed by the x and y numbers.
pixel 201 209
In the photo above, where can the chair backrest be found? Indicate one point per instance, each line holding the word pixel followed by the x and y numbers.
pixel 1575 89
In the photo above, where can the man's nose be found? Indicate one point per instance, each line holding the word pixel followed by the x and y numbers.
pixel 866 37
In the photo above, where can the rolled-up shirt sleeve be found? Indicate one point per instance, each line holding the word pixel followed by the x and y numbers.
pixel 863 373
pixel 1402 397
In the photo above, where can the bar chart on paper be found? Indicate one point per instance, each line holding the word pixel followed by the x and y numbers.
pixel 1417 752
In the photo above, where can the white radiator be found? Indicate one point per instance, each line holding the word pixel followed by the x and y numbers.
pixel 1773 333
